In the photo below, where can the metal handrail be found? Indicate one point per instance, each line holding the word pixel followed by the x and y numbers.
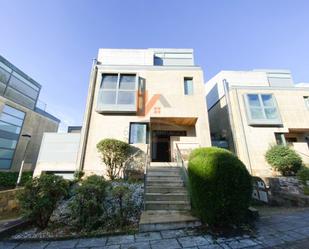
pixel 147 162
pixel 181 163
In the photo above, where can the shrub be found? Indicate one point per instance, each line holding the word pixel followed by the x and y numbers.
pixel 9 179
pixel 283 159
pixel 87 206
pixel 122 196
pixel 114 153
pixel 303 175
pixel 220 186
pixel 40 196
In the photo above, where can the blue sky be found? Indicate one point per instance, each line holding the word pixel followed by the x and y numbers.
pixel 54 41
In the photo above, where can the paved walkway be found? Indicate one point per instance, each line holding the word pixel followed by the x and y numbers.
pixel 279 231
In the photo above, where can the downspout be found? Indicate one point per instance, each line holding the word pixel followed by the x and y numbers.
pixel 226 91
pixel 87 117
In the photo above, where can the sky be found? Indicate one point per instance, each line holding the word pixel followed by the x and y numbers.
pixel 54 41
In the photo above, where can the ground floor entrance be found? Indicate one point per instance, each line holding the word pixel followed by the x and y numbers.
pixel 161 144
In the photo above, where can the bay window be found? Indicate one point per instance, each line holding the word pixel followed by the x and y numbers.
pixel 118 93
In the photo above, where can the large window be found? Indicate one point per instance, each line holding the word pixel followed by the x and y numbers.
pixel 11 121
pixel 262 109
pixel 138 133
pixel 18 88
pixel 118 93
pixel 188 86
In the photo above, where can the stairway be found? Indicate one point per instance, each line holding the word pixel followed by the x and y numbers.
pixel 167 202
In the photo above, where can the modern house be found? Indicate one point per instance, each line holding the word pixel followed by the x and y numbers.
pixel 251 110
pixel 22 123
pixel 144 96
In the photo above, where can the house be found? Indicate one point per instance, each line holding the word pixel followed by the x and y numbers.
pixel 22 123
pixel 144 97
pixel 251 110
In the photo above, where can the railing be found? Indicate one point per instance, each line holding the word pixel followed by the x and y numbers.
pixel 181 163
pixel 147 162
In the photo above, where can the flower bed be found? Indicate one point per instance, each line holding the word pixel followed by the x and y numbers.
pixel 63 224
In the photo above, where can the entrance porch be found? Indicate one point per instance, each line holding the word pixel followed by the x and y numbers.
pixel 165 133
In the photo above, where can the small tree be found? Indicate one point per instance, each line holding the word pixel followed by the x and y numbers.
pixel 114 153
pixel 284 159
pixel 40 196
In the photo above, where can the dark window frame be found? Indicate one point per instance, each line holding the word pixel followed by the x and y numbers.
pixel 147 131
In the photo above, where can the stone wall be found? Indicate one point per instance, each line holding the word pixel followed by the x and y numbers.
pixel 8 200
pixel 287 191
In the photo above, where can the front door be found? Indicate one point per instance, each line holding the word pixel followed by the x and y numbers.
pixel 161 145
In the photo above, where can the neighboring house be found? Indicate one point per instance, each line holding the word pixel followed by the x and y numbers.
pixel 58 154
pixel 144 96
pixel 251 110
pixel 19 116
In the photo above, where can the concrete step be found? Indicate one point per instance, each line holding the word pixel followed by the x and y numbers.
pixel 163 164
pixel 156 168
pixel 164 184
pixel 163 173
pixel 164 178
pixel 167 197
pixel 167 205
pixel 166 220
pixel 165 189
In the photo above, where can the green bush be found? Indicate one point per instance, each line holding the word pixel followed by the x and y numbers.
pixel 122 198
pixel 220 186
pixel 40 196
pixel 303 175
pixel 9 179
pixel 87 206
pixel 114 153
pixel 283 159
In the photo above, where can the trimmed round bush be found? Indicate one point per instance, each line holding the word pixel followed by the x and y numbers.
pixel 220 186
pixel 284 159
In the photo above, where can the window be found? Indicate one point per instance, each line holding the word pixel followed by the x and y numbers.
pixel 280 138
pixel 262 109
pixel 11 121
pixel 118 93
pixel 138 133
pixel 188 86
pixel 18 88
pixel 306 99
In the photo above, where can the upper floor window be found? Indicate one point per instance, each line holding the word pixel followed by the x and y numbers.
pixel 262 109
pixel 188 86
pixel 117 93
pixel 306 99
pixel 11 121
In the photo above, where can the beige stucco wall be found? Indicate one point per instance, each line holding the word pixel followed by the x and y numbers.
pixel 34 124
pixel 159 80
pixel 252 142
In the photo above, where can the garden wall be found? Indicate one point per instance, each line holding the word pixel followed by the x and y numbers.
pixel 8 200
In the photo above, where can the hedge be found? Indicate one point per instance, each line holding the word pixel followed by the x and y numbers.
pixel 220 186
pixel 9 179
